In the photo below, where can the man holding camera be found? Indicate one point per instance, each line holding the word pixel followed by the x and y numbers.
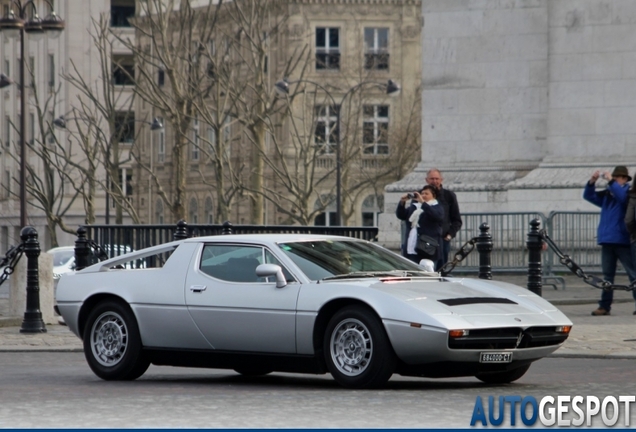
pixel 612 233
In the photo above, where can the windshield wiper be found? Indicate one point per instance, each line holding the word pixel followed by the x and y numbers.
pixel 387 273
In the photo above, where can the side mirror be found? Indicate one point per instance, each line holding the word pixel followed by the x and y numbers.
pixel 269 270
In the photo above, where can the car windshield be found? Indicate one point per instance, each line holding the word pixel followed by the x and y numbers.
pixel 342 258
pixel 61 257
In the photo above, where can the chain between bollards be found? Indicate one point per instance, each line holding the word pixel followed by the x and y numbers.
pixel 32 322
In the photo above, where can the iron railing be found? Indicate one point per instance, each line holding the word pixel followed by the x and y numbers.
pixel 123 238
pixel 575 232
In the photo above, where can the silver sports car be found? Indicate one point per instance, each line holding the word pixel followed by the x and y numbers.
pixel 302 303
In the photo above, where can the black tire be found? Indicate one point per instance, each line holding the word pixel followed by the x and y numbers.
pixel 252 372
pixel 357 349
pixel 503 377
pixel 112 345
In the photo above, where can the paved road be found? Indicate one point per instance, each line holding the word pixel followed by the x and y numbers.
pixel 58 390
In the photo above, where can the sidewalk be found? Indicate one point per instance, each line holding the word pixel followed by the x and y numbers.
pixel 611 336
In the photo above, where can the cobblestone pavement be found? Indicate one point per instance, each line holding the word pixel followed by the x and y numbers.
pixel 607 336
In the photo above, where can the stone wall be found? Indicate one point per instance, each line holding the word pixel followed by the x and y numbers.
pixel 522 101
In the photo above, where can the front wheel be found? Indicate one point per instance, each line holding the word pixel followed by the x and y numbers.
pixel 357 349
pixel 112 345
pixel 504 377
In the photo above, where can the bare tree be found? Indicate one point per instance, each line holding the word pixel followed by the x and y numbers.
pixel 295 161
pixel 374 157
pixel 51 180
pixel 171 38
pixel 260 36
pixel 103 117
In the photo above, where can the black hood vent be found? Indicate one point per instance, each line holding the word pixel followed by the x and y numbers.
pixel 475 300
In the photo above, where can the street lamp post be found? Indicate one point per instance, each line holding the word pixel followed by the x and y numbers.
pixel 19 23
pixel 155 125
pixel 392 89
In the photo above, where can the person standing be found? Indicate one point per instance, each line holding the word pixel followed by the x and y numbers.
pixel 452 219
pixel 612 233
pixel 630 224
pixel 424 216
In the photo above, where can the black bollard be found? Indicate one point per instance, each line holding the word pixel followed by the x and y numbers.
pixel 82 250
pixel 32 322
pixel 181 233
pixel 227 227
pixel 484 248
pixel 534 245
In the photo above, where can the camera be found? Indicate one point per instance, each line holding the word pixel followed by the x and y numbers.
pixel 410 195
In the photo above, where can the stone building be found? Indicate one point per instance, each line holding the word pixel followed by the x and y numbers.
pixel 350 47
pixel 522 100
pixel 50 58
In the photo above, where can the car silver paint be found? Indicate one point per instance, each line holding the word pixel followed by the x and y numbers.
pixel 260 317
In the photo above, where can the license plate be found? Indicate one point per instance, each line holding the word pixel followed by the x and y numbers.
pixel 493 357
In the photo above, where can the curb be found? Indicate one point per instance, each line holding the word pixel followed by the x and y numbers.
pixel 10 322
pixel 587 355
pixel 24 349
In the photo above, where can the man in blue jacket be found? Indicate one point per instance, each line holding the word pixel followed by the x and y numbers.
pixel 612 233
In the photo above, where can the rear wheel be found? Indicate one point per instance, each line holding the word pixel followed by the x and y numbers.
pixel 504 377
pixel 357 349
pixel 112 345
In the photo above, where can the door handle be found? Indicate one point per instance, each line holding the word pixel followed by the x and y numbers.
pixel 198 288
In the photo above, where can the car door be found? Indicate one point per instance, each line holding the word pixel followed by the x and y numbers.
pixel 234 309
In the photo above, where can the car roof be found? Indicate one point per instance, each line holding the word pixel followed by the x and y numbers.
pixel 60 249
pixel 268 238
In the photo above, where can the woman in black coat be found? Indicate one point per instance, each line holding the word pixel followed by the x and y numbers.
pixel 423 215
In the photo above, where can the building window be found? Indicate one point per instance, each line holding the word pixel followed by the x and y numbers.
pixel 375 129
pixel 326 134
pixel 50 131
pixel 120 11
pixel 7 184
pixel 125 126
pixel 227 131
pixel 327 48
pixel 328 216
pixel 161 77
pixel 371 209
pixel 7 66
pixel 209 211
pixel 211 141
pixel 31 71
pixel 51 70
pixel 125 182
pixel 195 139
pixel 376 48
pixel 31 128
pixel 7 131
pixel 194 211
pixel 159 212
pixel 5 239
pixel 123 70
pixel 161 143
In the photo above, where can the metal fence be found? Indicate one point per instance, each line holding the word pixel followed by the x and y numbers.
pixel 573 232
pixel 122 238
pixel 509 232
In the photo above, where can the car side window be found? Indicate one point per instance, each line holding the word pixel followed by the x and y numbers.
pixel 232 263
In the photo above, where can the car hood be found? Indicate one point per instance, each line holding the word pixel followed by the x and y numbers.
pixel 473 302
